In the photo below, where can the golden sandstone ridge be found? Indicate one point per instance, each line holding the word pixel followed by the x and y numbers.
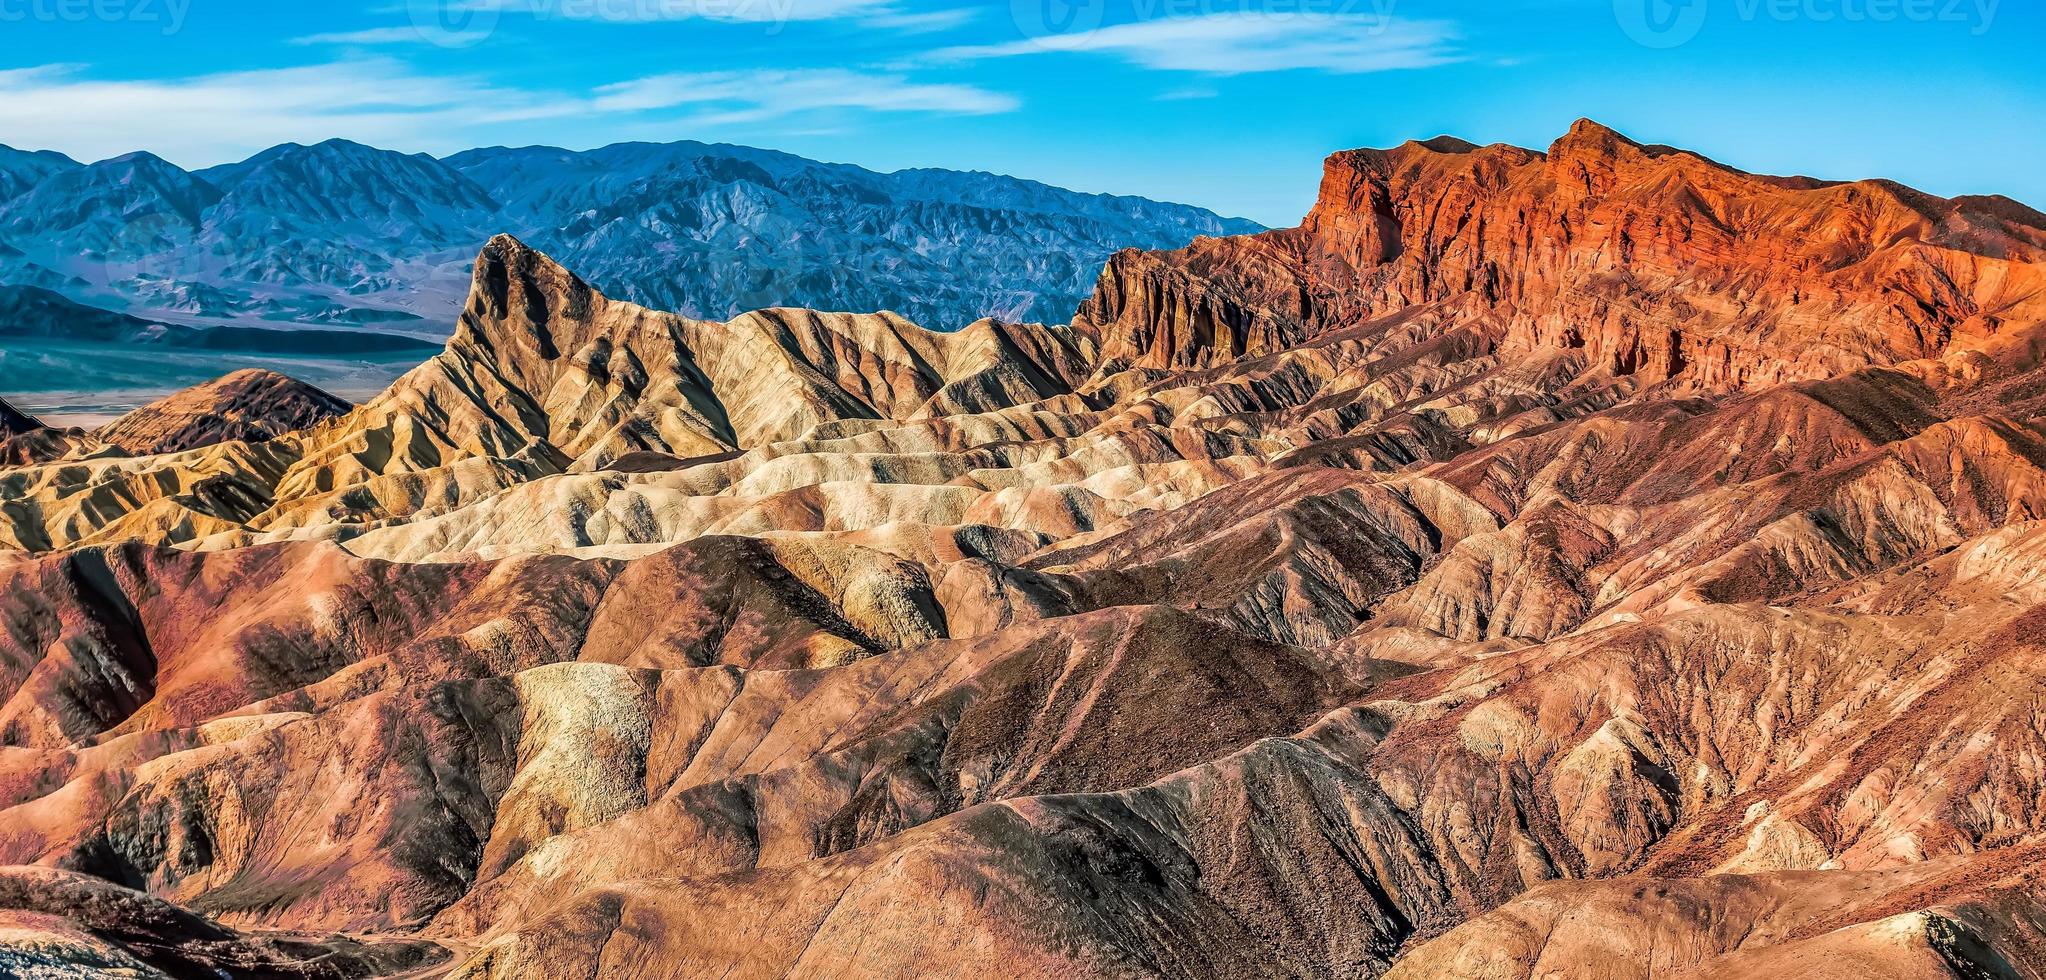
pixel 1592 563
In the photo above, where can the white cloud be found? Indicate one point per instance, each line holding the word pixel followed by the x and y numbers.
pixel 922 22
pixel 377 35
pixel 630 11
pixel 771 93
pixel 208 119
pixel 1239 42
pixel 460 23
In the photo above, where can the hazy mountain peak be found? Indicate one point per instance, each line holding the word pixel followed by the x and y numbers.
pixel 134 203
pixel 23 169
pixel 144 169
pixel 51 158
pixel 343 231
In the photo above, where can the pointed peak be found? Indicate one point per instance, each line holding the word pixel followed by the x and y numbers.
pixel 1444 144
pixel 505 262
pixel 1587 126
pixel 1588 136
pixel 353 152
pixel 519 292
pixel 129 157
pixel 46 158
pixel 249 405
pixel 137 159
pixel 257 377
pixel 327 150
pixel 239 385
pixel 1434 151
pixel 503 247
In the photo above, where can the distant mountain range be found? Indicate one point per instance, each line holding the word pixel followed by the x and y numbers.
pixel 342 234
pixel 35 313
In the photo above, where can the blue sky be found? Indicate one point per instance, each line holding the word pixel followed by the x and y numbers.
pixel 1230 104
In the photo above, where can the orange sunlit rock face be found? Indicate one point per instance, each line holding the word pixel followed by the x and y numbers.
pixel 1598 562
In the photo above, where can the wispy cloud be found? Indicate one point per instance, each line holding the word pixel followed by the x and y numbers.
pixel 460 23
pixel 1240 42
pixel 640 11
pixel 921 22
pixel 378 36
pixel 210 119
pixel 775 93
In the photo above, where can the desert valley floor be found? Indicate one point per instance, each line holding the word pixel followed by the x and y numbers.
pixel 1597 563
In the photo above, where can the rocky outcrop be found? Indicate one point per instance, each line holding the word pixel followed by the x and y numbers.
pixel 250 405
pixel 1651 262
pixel 543 374
pixel 1940 919
pixel 25 440
pixel 14 422
pixel 61 925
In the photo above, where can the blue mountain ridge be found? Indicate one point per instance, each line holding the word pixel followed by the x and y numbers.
pixel 341 234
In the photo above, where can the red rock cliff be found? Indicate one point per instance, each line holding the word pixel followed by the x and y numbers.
pixel 1655 262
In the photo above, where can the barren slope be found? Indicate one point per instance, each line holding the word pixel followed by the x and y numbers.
pixel 250 405
pixel 1597 563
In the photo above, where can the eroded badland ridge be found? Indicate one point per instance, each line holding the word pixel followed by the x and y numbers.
pixel 1591 562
